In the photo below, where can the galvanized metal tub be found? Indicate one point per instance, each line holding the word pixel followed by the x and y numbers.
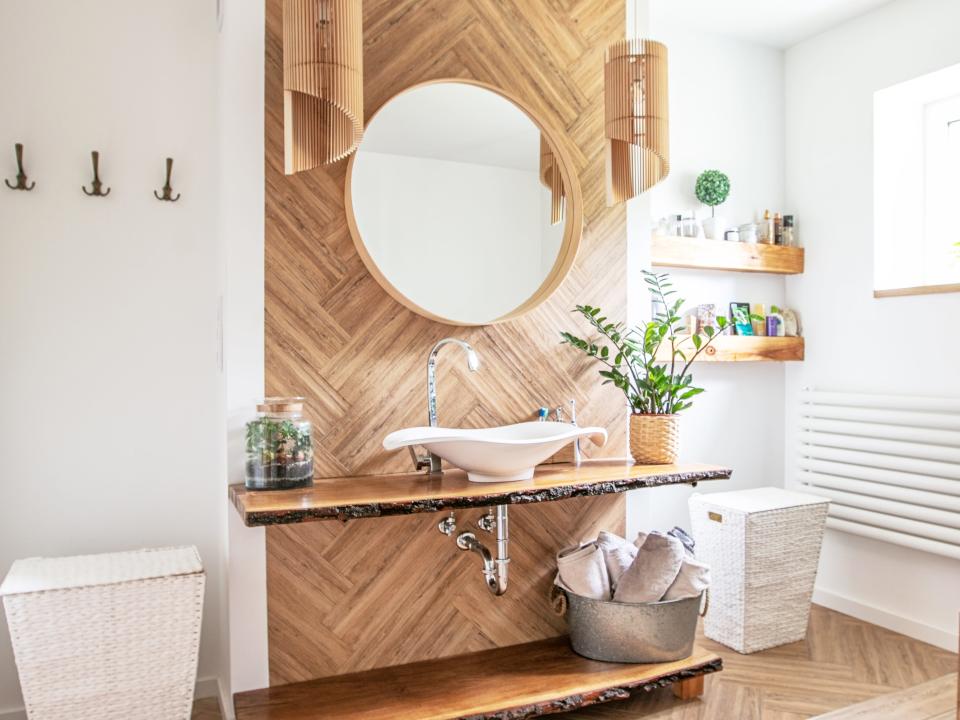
pixel 632 632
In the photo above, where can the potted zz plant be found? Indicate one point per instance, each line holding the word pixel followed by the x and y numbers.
pixel 651 366
pixel 712 189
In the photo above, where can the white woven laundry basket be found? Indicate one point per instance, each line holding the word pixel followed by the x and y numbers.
pixel 763 547
pixel 107 637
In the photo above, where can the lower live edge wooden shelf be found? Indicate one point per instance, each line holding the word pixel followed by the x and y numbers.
pixel 508 683
pixel 347 498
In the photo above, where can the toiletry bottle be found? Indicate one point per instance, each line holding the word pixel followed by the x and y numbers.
pixel 789 234
pixel 777 229
pixel 768 229
pixel 676 225
pixel 759 326
pixel 772 324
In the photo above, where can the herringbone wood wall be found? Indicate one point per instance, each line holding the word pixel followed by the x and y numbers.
pixel 383 591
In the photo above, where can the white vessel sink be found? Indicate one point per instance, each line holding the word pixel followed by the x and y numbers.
pixel 497 454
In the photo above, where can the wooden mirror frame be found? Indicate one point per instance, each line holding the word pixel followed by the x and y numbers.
pixel 573 216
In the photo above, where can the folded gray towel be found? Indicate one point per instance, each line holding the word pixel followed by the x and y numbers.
pixel 618 553
pixel 653 571
pixel 583 571
pixel 693 579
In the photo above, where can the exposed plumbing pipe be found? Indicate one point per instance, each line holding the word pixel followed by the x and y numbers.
pixel 494 569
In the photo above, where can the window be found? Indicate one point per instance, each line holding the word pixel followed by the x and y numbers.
pixel 917 185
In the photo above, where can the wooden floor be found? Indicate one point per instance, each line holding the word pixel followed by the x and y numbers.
pixel 206 709
pixel 842 662
pixel 934 700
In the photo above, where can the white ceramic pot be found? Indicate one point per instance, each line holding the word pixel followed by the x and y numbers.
pixel 713 228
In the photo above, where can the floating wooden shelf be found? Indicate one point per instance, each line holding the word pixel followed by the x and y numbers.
pixel 519 681
pixel 739 348
pixel 346 498
pixel 721 255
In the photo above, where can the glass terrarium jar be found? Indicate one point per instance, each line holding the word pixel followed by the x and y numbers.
pixel 279 446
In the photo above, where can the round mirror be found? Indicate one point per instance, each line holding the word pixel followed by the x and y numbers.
pixel 462 205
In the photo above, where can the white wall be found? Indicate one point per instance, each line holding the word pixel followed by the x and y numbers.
pixel 726 113
pixel 243 652
pixel 110 426
pixel 855 342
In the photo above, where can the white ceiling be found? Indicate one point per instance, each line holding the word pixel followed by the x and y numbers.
pixel 778 23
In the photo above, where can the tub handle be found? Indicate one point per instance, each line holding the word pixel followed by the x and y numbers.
pixel 705 604
pixel 558 601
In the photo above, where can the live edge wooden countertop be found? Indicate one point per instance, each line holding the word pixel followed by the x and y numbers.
pixel 347 498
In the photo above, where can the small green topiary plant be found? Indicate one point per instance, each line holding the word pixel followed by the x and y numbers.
pixel 712 189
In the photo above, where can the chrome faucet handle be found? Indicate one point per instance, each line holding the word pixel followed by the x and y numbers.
pixel 448 526
pixel 577 456
pixel 488 521
pixel 558 414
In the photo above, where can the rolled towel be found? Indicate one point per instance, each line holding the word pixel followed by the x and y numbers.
pixel 618 553
pixel 680 534
pixel 652 573
pixel 693 579
pixel 583 571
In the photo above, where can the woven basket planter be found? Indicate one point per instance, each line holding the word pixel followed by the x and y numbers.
pixel 654 439
pixel 111 637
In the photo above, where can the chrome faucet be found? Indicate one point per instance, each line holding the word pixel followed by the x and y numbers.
pixel 473 363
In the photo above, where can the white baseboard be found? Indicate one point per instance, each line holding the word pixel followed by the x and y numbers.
pixel 905 626
pixel 226 702
pixel 206 688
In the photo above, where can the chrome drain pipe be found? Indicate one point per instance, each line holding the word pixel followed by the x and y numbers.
pixel 494 569
pixel 503 548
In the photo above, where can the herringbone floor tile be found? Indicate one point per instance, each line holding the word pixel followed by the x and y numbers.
pixel 206 709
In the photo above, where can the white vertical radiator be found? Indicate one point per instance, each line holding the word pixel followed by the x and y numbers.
pixel 889 464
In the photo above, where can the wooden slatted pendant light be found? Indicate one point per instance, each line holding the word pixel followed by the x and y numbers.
pixel 322 81
pixel 636 117
pixel 552 179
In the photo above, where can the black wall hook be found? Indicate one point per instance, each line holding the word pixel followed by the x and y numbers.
pixel 167 190
pixel 97 185
pixel 21 175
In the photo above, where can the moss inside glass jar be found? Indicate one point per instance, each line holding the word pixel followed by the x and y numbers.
pixel 279 446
